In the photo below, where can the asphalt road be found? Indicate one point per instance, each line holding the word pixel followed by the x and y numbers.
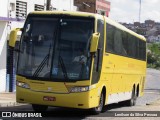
pixel 152 93
pixel 152 87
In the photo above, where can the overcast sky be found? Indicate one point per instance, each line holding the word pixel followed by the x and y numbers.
pixel 128 10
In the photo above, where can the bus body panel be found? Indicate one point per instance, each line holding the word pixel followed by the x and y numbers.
pixel 120 75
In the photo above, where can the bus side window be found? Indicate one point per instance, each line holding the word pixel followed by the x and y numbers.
pixel 125 43
pixel 136 48
pixel 110 38
pixel 142 50
pixel 132 48
pixel 118 48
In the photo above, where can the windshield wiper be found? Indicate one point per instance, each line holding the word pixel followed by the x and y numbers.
pixel 42 64
pixel 63 68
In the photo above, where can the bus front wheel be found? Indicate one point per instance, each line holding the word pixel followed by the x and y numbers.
pixel 99 108
pixel 39 108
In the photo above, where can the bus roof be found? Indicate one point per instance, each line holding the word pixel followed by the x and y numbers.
pixel 73 13
pixel 86 14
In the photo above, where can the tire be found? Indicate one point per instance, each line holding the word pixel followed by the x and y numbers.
pixel 105 108
pixel 99 109
pixel 132 101
pixel 39 108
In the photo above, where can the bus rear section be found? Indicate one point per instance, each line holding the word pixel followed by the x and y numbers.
pixel 124 64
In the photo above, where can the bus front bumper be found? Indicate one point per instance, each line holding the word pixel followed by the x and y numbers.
pixel 82 100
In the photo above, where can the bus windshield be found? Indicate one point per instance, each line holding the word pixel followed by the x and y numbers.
pixel 55 48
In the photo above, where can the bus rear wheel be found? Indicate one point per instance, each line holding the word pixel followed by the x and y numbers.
pixel 133 99
pixel 99 108
pixel 39 108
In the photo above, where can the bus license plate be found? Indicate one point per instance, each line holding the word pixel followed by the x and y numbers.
pixel 48 98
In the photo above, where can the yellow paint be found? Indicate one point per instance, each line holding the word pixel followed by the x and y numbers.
pixel 94 42
pixel 13 37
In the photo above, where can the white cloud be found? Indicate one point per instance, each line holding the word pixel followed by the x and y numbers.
pixel 128 10
pixel 153 15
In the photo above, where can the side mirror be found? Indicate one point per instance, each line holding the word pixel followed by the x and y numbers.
pixel 13 37
pixel 94 42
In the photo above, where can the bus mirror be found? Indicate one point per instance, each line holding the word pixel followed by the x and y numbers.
pixel 94 42
pixel 13 37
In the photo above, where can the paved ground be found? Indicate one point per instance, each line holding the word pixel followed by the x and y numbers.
pixel 7 99
pixel 152 87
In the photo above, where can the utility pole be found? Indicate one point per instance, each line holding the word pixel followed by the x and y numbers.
pixel 48 4
pixel 139 10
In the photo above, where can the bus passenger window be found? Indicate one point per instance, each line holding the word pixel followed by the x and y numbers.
pixel 110 38
pixel 132 48
pixel 125 43
pixel 118 42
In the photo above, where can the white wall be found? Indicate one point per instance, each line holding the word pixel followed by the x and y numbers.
pixel 58 4
pixel 31 3
pixel 3 35
pixel 3 8
pixel 63 4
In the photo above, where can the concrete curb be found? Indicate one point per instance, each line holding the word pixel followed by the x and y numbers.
pixel 8 104
pixel 8 99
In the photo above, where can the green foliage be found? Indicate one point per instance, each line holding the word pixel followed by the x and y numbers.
pixel 153 55
pixel 155 48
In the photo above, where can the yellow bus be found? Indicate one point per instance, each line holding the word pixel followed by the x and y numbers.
pixel 78 60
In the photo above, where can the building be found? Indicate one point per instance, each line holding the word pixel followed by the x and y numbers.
pixel 94 6
pixel 129 26
pixel 158 39
pixel 154 39
pixel 137 24
pixel 12 15
pixel 20 8
pixel 149 29
pixel 3 43
pixel 149 24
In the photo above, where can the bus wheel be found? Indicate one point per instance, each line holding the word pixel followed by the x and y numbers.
pixel 98 109
pixel 133 99
pixel 39 108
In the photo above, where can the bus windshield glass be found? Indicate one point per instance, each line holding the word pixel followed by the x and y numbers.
pixel 55 49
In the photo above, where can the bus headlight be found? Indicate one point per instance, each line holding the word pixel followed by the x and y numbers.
pixel 79 89
pixel 23 85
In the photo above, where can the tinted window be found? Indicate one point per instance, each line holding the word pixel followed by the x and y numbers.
pixel 142 50
pixel 110 38
pixel 125 43
pixel 132 46
pixel 122 43
pixel 114 43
